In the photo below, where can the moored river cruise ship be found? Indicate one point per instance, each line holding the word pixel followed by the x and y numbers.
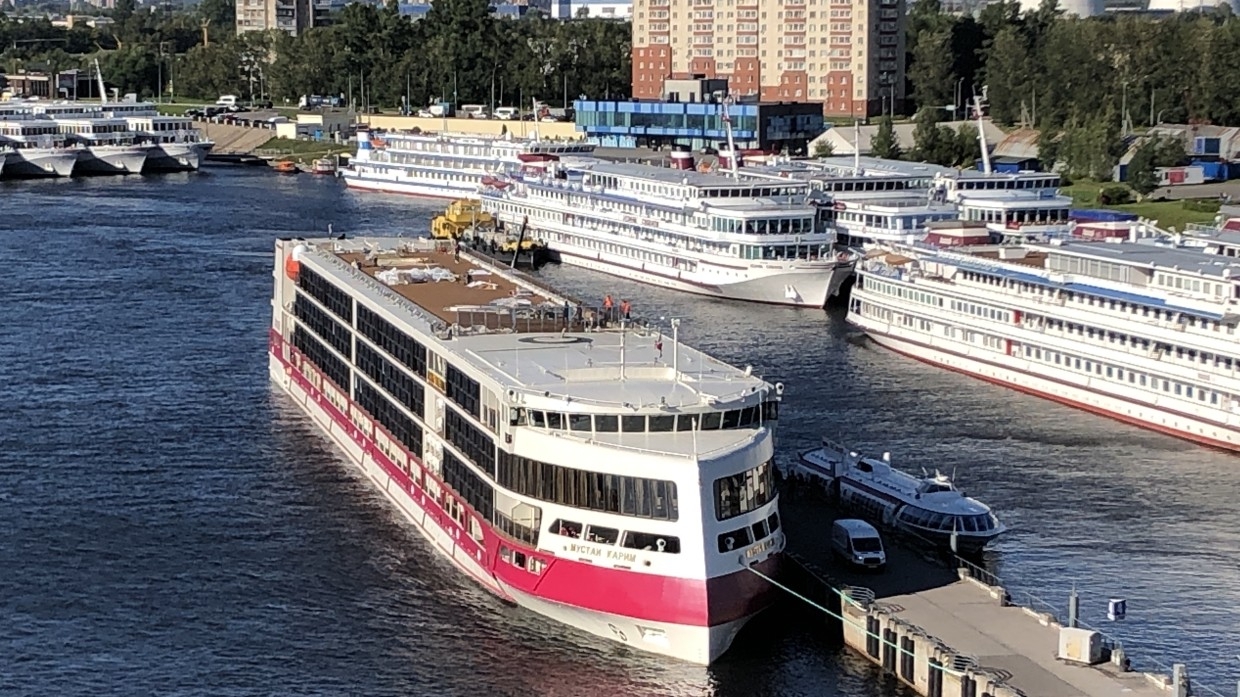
pixel 1142 330
pixel 735 237
pixel 437 166
pixel 600 474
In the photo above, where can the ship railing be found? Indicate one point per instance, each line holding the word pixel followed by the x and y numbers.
pixel 695 455
pixel 397 300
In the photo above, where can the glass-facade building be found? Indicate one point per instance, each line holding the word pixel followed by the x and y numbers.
pixel 627 124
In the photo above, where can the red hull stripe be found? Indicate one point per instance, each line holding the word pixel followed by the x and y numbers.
pixel 1101 411
pixel 593 587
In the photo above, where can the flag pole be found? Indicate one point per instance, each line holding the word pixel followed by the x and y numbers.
pixel 676 349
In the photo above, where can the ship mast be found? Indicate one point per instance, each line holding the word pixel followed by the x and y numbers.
pixel 103 91
pixel 727 125
pixel 981 134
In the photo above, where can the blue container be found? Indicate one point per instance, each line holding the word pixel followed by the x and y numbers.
pixel 1100 215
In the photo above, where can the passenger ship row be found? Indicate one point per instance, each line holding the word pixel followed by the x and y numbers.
pixel 576 469
pixel 1142 330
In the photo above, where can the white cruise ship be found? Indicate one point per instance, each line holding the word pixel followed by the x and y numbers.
pixel 1142 330
pixel 178 145
pixel 586 471
pixel 35 148
pixel 735 237
pixel 443 166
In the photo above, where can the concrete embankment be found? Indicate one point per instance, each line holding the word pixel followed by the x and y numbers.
pixel 235 140
pixel 942 631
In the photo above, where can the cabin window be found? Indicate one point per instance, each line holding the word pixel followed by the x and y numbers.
pixel 662 423
pixel 567 528
pixel 652 543
pixel 759 530
pixel 686 422
pixel 606 423
pixel 772 523
pixel 555 420
pixel 602 536
pixel 579 422
pixel 731 418
pixel 633 423
pixel 537 419
pixel 734 540
pixel 744 492
pixel 711 420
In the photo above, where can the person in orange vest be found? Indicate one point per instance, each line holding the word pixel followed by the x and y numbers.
pixel 607 306
pixel 625 308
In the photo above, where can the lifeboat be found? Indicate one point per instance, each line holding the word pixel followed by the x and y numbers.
pixel 286 167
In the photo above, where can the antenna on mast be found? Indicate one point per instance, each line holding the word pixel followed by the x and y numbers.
pixel 981 134
pixel 856 147
pixel 103 91
pixel 727 124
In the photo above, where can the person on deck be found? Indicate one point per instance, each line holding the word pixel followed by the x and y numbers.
pixel 625 308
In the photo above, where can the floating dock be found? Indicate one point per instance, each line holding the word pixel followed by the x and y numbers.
pixel 945 633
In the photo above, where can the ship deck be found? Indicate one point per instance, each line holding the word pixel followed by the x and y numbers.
pixel 472 292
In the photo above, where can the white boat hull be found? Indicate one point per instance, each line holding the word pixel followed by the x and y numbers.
pixel 40 162
pixel 1007 371
pixel 177 157
pixel 810 287
pixel 112 159
pixel 410 186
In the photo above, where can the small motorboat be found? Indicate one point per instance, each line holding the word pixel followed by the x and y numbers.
pixel 323 165
pixel 930 508
pixel 286 167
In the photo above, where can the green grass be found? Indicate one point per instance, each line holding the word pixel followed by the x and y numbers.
pixel 301 150
pixel 1169 214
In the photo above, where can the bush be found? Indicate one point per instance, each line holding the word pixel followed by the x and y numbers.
pixel 1208 205
pixel 1115 195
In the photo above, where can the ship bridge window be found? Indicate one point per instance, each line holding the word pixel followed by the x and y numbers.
pixel 651 543
pixel 606 423
pixel 662 423
pixel 579 422
pixel 537 419
pixel 741 493
pixel 602 536
pixel 633 423
pixel 711 420
pixel 555 420
pixel 567 528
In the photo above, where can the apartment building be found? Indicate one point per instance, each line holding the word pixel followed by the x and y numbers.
pixel 846 54
pixel 291 16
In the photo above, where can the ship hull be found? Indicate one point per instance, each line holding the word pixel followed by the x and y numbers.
pixel 112 159
pixel 1127 410
pixel 694 620
pixel 34 163
pixel 798 288
pixel 410 186
pixel 177 157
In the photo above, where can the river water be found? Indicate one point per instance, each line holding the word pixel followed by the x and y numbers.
pixel 169 524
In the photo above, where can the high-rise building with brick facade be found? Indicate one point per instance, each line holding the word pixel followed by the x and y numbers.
pixel 846 54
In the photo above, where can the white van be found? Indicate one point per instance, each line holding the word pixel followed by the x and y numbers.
pixel 474 111
pixel 858 543
pixel 229 100
pixel 507 113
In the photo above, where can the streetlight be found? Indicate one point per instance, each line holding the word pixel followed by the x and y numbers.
pixel 959 87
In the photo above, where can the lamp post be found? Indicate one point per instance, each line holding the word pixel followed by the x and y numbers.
pixel 959 87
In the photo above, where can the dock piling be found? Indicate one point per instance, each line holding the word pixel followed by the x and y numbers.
pixel 1074 608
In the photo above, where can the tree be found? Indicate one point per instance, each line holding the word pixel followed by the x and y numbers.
pixel 1141 176
pixel 823 148
pixel 932 142
pixel 931 70
pixel 884 144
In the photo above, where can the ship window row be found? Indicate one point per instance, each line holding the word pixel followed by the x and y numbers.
pixel 739 494
pixel 647 542
pixel 463 390
pixel 945 522
pixel 768 226
pixel 892 289
pixel 337 335
pixel 981 311
pixel 1195 285
pixel 1100 302
pixel 779 252
pixel 1030 216
pixel 474 489
pixel 393 380
pixel 1099 369
pixel 631 228
pixel 397 423
pixel 475 444
pixel 866 184
pixel 1164 351
pixel 335 369
pixel 395 342
pixel 988 183
pixel 568 486
pixel 328 294
pixel 525 530
pixel 745 536
pixel 748 417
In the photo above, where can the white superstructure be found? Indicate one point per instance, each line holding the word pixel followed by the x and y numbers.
pixel 442 166
pixel 736 237
pixel 596 472
pixel 1143 330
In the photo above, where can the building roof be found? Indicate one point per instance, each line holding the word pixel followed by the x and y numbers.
pixel 1021 144
pixel 841 137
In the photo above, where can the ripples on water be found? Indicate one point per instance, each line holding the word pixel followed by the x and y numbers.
pixel 172 525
